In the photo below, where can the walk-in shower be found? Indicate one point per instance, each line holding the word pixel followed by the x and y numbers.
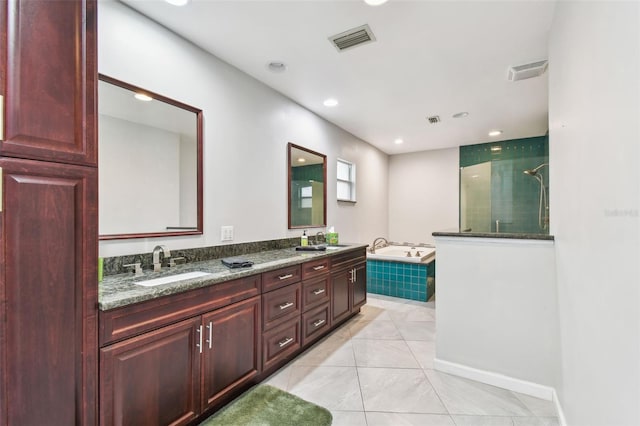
pixel 543 203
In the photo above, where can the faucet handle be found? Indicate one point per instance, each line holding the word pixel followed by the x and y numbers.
pixel 137 269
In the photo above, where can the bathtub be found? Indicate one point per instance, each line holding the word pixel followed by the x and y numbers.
pixel 404 254
pixel 405 271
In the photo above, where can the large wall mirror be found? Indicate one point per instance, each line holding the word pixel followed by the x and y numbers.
pixel 150 163
pixel 307 172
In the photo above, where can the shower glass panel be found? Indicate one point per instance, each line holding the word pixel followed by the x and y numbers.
pixel 496 195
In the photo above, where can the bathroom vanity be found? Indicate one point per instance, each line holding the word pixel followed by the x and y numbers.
pixel 176 352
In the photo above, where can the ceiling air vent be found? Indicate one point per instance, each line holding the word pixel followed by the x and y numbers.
pixel 522 72
pixel 352 38
pixel 434 119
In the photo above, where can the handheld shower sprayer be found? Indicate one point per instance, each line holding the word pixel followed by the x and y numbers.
pixel 543 208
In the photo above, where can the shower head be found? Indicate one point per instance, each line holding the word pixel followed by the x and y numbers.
pixel 533 172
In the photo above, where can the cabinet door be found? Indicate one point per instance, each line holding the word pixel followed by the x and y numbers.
pixel 152 379
pixel 231 349
pixel 340 295
pixel 48 294
pixel 359 287
pixel 49 80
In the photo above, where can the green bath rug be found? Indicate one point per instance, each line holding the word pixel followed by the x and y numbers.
pixel 265 405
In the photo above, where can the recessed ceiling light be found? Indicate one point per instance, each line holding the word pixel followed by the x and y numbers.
pixel 177 2
pixel 277 66
pixel 495 133
pixel 375 2
pixel 460 114
pixel 398 141
pixel 330 102
pixel 496 148
pixel 143 97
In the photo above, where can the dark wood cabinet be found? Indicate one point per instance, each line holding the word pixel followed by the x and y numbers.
pixel 173 374
pixel 340 295
pixel 49 80
pixel 48 219
pixel 279 344
pixel 281 305
pixel 348 284
pixel 152 379
pixel 231 350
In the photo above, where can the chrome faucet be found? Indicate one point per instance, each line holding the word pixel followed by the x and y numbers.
pixel 156 256
pixel 374 246
pixel 320 237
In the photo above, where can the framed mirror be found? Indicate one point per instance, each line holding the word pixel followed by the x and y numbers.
pixel 307 189
pixel 149 163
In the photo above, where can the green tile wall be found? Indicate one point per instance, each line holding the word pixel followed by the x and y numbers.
pixel 514 195
pixel 397 279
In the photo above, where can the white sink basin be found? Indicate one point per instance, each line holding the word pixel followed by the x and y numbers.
pixel 172 279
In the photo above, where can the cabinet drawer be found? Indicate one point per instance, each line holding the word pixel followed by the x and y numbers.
pixel 315 292
pixel 279 343
pixel 280 305
pixel 280 278
pixel 128 321
pixel 315 268
pixel 315 323
pixel 347 259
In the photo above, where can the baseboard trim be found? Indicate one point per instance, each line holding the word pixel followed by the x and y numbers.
pixel 556 401
pixel 498 380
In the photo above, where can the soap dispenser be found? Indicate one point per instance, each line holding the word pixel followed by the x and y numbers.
pixel 304 240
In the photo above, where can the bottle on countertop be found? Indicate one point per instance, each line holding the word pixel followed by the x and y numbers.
pixel 304 240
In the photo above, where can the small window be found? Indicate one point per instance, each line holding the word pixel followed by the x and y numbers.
pixel 346 181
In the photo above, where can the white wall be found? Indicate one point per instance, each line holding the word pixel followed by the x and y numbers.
pixel 497 309
pixel 246 130
pixel 594 140
pixel 423 194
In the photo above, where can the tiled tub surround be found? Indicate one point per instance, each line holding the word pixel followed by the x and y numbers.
pixel 414 281
pixel 120 290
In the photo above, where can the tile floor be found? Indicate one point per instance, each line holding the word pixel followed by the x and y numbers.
pixel 377 369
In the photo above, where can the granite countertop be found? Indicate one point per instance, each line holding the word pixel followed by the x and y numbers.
pixel 120 290
pixel 506 235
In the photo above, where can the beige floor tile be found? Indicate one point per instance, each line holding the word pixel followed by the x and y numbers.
pixel 417 330
pixel 482 420
pixel 408 419
pixel 385 330
pixel 383 353
pixel 348 418
pixel 334 388
pixel 424 352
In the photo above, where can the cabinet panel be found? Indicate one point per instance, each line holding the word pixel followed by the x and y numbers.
pixel 231 353
pixel 340 295
pixel 315 268
pixel 359 287
pixel 152 379
pixel 280 343
pixel 48 293
pixel 280 278
pixel 280 305
pixel 315 292
pixel 50 80
pixel 315 323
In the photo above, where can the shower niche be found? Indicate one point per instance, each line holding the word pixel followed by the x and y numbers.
pixel 504 187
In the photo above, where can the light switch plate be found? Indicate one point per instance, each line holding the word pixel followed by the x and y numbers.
pixel 226 233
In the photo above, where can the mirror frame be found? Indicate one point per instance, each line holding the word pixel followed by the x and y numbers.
pixel 324 186
pixel 198 230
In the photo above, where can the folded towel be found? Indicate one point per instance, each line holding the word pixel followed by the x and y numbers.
pixel 236 262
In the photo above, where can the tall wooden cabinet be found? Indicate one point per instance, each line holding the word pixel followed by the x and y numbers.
pixel 48 215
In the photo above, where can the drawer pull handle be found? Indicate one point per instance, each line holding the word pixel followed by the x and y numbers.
pixel 286 305
pixel 284 277
pixel 318 291
pixel 318 268
pixel 210 339
pixel 199 344
pixel 285 342
pixel 319 323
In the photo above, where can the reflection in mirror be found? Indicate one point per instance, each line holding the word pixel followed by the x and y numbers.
pixel 307 188
pixel 150 163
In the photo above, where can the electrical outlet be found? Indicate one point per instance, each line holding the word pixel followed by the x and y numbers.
pixel 226 233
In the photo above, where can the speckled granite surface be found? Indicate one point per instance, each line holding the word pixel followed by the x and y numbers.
pixel 120 290
pixel 513 236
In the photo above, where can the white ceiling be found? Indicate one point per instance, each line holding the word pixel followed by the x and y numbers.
pixel 430 58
